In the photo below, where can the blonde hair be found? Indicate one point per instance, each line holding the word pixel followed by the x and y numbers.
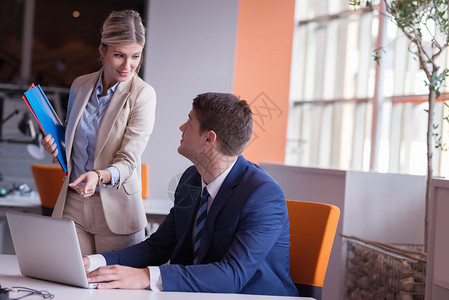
pixel 123 27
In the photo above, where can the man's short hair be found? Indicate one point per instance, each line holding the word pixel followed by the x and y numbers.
pixel 228 116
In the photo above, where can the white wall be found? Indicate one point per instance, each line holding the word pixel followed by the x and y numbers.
pixel 385 207
pixel 190 50
pixel 437 278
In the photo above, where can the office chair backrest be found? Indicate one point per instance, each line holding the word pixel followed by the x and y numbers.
pixel 145 180
pixel 48 179
pixel 312 231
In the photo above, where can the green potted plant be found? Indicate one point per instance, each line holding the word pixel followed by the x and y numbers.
pixel 425 24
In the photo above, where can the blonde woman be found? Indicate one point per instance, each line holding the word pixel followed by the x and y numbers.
pixel 110 117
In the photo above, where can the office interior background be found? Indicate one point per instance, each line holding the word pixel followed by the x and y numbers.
pixel 342 111
pixel 306 67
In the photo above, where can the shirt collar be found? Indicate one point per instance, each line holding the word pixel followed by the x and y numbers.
pixel 99 85
pixel 215 185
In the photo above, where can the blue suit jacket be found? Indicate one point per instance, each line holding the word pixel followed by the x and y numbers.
pixel 245 246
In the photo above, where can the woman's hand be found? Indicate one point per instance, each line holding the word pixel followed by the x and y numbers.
pixel 90 180
pixel 49 145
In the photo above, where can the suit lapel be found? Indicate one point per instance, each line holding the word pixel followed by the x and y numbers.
pixel 119 98
pixel 82 96
pixel 195 193
pixel 189 211
pixel 224 194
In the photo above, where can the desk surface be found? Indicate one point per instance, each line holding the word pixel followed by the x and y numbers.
pixel 32 199
pixel 16 199
pixel 10 276
pixel 157 206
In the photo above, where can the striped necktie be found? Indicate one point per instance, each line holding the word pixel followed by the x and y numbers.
pixel 200 221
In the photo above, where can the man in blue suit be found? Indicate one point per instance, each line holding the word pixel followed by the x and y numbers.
pixel 244 244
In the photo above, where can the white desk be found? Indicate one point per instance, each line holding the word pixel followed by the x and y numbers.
pixel 157 206
pixel 16 199
pixel 32 199
pixel 10 276
pixel 155 209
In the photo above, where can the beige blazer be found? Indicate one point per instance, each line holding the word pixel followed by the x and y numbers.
pixel 122 138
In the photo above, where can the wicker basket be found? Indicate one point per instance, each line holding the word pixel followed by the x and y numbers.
pixel 374 272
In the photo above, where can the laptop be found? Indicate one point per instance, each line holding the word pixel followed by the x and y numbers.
pixel 47 248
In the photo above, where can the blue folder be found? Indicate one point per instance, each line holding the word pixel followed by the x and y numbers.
pixel 48 120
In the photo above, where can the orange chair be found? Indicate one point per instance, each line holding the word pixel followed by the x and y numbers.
pixel 145 180
pixel 48 179
pixel 312 231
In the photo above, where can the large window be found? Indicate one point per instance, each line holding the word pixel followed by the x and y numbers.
pixel 349 112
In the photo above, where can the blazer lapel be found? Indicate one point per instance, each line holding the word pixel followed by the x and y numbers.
pixel 224 194
pixel 184 250
pixel 195 194
pixel 119 98
pixel 83 93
